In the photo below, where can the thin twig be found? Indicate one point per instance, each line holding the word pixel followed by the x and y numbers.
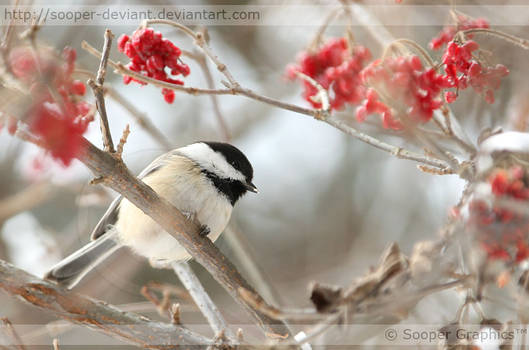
pixel 200 41
pixel 12 333
pixel 321 97
pixel 139 117
pixel 244 254
pixel 99 93
pixel 202 299
pixel 122 141
pixel 316 41
pixel 203 64
pixel 523 43
pixel 175 313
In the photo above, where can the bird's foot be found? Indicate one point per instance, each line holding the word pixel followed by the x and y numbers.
pixel 204 231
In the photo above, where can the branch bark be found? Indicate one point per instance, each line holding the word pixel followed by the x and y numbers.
pixel 202 299
pixel 99 92
pixel 128 327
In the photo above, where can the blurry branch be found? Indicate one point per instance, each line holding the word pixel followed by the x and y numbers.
pixel 5 45
pixel 139 116
pixel 388 290
pixel 167 290
pixel 523 43
pixel 12 333
pixel 24 200
pixel 202 299
pixel 99 93
pixel 128 327
pixel 244 254
pixel 238 90
pixel 202 62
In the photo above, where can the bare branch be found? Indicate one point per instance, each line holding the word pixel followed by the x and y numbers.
pixel 99 93
pixel 321 97
pixel 24 200
pixel 202 299
pixel 70 306
pixel 203 64
pixel 523 43
pixel 12 333
pixel 122 141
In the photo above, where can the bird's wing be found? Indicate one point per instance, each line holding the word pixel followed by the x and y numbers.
pixel 111 215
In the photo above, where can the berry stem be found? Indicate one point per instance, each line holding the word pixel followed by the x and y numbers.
pixel 418 48
pixel 523 43
pixel 322 95
pixel 201 42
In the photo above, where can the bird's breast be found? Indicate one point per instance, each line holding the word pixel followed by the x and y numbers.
pixel 182 184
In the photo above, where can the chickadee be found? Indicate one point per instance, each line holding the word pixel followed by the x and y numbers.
pixel 203 180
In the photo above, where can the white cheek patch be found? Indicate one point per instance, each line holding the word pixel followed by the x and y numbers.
pixel 211 161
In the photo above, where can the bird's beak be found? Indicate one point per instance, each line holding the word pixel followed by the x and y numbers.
pixel 251 187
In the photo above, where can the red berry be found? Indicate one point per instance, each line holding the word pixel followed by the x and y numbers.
pixel 168 95
pixel 78 88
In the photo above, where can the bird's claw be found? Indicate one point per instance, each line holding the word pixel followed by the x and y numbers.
pixel 204 231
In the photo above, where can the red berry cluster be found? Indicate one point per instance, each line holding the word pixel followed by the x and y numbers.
pixel 152 55
pixel 59 122
pixel 502 233
pixel 411 88
pixel 463 70
pixel 463 23
pixel 336 68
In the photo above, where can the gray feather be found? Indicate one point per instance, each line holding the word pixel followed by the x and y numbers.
pixel 69 271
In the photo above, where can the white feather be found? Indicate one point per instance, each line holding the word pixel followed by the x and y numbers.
pixel 211 161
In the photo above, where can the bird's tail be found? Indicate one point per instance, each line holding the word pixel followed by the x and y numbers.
pixel 69 271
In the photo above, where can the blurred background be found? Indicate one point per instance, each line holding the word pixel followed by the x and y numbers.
pixel 328 204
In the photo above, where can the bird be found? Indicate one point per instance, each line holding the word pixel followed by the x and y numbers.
pixel 203 180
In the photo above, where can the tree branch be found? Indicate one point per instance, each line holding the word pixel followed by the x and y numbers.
pixel 315 113
pixel 99 92
pixel 128 327
pixel 202 299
